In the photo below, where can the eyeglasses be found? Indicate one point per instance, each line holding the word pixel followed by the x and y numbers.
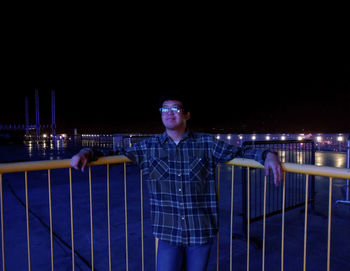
pixel 174 109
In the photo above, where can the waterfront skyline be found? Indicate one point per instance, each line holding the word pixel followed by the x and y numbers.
pixel 297 98
pixel 315 106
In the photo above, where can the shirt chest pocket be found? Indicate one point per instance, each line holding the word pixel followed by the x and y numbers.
pixel 199 169
pixel 158 168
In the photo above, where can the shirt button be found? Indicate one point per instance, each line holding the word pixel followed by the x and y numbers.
pixel 179 174
pixel 180 189
pixel 183 218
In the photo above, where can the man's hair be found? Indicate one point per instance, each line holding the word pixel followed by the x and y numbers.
pixel 175 95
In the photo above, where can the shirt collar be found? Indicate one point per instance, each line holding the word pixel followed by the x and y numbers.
pixel 164 137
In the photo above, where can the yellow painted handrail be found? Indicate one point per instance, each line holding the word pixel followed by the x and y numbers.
pixel 56 164
pixel 342 173
pixel 116 159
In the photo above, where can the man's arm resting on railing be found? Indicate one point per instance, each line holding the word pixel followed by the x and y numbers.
pixel 267 158
pixel 86 155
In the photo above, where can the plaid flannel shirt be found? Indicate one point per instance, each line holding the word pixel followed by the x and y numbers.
pixel 182 185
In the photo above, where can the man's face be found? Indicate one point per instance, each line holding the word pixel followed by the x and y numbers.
pixel 174 119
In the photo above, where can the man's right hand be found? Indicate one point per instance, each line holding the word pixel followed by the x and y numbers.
pixel 80 160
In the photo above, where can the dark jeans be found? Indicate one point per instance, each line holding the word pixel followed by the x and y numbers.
pixel 177 258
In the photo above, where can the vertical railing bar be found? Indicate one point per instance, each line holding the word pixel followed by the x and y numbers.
pixel 283 219
pixel 296 178
pixel 277 191
pixel 248 216
pixel 329 224
pixel 259 193
pixel 299 183
pixel 264 226
pixel 91 221
pixel 306 212
pixel 273 197
pixel 109 222
pixel 304 155
pixel 217 236
pixel 301 186
pixel 290 184
pixel 126 221
pixel 231 226
pixel 142 241
pixel 27 218
pixel 294 183
pixel 261 196
pixel 312 186
pixel 255 191
pixel 50 212
pixel 2 225
pixel 71 216
pixel 295 187
pixel 270 193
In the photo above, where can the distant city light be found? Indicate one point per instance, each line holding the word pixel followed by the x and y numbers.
pixel 323 141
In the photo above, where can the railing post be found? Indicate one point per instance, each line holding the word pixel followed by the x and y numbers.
pixel 109 222
pixel 347 185
pixel 244 200
pixel 312 178
pixel 27 218
pixel 218 239
pixel 231 224
pixel 126 222
pixel 71 216
pixel 348 166
pixel 91 221
pixel 2 225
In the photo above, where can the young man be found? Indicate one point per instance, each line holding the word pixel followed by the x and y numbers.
pixel 181 168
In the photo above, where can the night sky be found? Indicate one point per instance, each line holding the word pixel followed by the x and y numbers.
pixel 113 86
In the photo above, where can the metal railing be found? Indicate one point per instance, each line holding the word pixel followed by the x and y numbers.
pixel 291 151
pixel 308 170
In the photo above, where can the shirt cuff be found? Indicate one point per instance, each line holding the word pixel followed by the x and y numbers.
pixel 264 154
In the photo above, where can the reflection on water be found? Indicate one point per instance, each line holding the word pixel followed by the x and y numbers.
pixel 330 159
pixel 50 149
pixel 295 156
pixel 282 156
pixel 300 156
